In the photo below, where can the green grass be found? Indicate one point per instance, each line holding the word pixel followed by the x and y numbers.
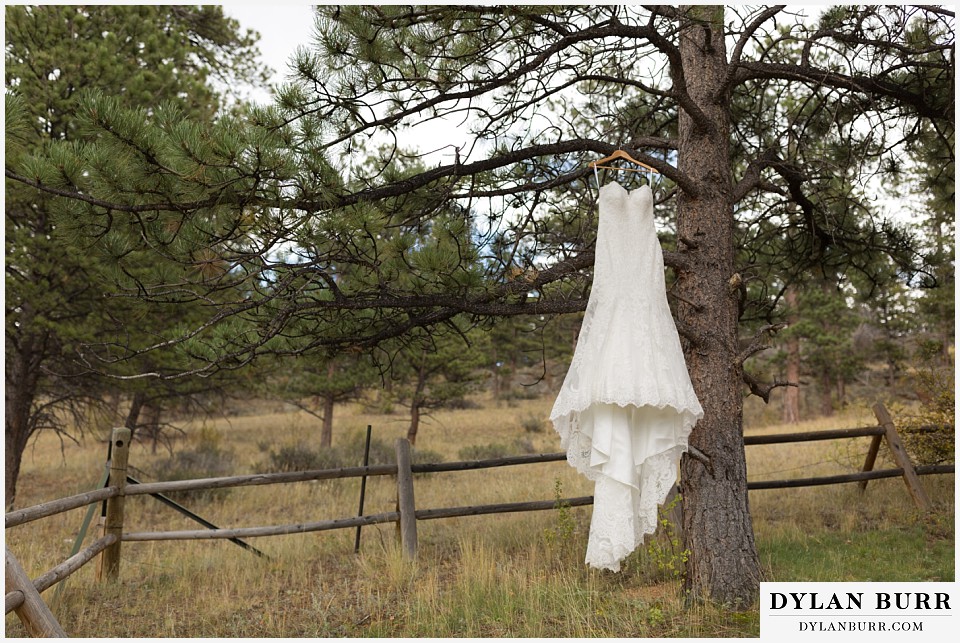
pixel 908 553
pixel 488 594
pixel 517 575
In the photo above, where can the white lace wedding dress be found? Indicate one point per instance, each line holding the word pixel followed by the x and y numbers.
pixel 626 407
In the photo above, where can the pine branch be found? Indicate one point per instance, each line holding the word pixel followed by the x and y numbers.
pixel 398 188
pixel 876 86
pixel 610 29
pixel 753 175
pixel 109 205
pixel 763 390
pixel 756 342
pixel 744 38
pixel 679 88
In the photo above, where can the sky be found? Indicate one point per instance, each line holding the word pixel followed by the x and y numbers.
pixel 283 26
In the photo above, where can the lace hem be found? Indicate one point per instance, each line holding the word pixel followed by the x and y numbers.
pixel 623 515
pixel 632 454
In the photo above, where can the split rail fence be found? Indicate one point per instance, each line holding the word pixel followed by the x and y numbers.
pixel 23 594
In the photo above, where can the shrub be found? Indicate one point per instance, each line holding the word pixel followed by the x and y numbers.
pixel 496 450
pixel 381 451
pixel 532 423
pixel 295 457
pixel 349 454
pixel 560 536
pixel 929 435
pixel 461 404
pixel 425 456
pixel 665 551
pixel 522 393
pixel 206 459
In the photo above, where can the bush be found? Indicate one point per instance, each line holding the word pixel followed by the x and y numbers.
pixel 206 459
pixel 295 457
pixel 349 454
pixel 522 393
pixel 532 423
pixel 380 451
pixel 496 450
pixel 383 452
pixel 461 404
pixel 425 456
pixel 930 435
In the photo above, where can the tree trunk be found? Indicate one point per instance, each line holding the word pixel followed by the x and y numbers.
pixel 153 425
pixel 326 429
pixel 416 402
pixel 22 377
pixel 414 422
pixel 495 371
pixel 791 394
pixel 12 455
pixel 826 394
pixel 133 416
pixel 723 565
pixel 890 376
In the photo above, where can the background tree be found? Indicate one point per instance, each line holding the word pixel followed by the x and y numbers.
pixel 935 175
pixel 54 299
pixel 530 353
pixel 316 385
pixel 439 369
pixel 825 325
pixel 544 90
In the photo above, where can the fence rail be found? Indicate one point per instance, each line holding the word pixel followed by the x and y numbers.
pixel 811 436
pixel 54 507
pixel 861 476
pixel 251 532
pixel 22 599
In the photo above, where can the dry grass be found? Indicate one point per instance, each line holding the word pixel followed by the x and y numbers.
pixel 506 575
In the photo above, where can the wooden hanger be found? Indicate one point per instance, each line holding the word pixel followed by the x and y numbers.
pixel 620 154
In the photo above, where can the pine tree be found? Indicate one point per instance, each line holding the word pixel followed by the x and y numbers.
pixel 54 292
pixel 316 385
pixel 436 370
pixel 825 326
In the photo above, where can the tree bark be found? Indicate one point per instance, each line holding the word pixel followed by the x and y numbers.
pixel 724 566
pixel 826 394
pixel 153 425
pixel 416 402
pixel 414 422
pixel 326 429
pixel 12 455
pixel 22 377
pixel 791 394
pixel 133 415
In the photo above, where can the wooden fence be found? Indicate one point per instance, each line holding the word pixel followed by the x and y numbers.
pixel 23 595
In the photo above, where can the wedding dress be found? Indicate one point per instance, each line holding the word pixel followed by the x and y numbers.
pixel 626 407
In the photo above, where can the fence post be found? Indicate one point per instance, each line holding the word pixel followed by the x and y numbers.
pixel 871 459
pixel 33 612
pixel 902 459
pixel 405 503
pixel 108 567
pixel 363 486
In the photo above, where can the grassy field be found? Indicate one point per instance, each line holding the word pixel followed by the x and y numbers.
pixel 509 575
